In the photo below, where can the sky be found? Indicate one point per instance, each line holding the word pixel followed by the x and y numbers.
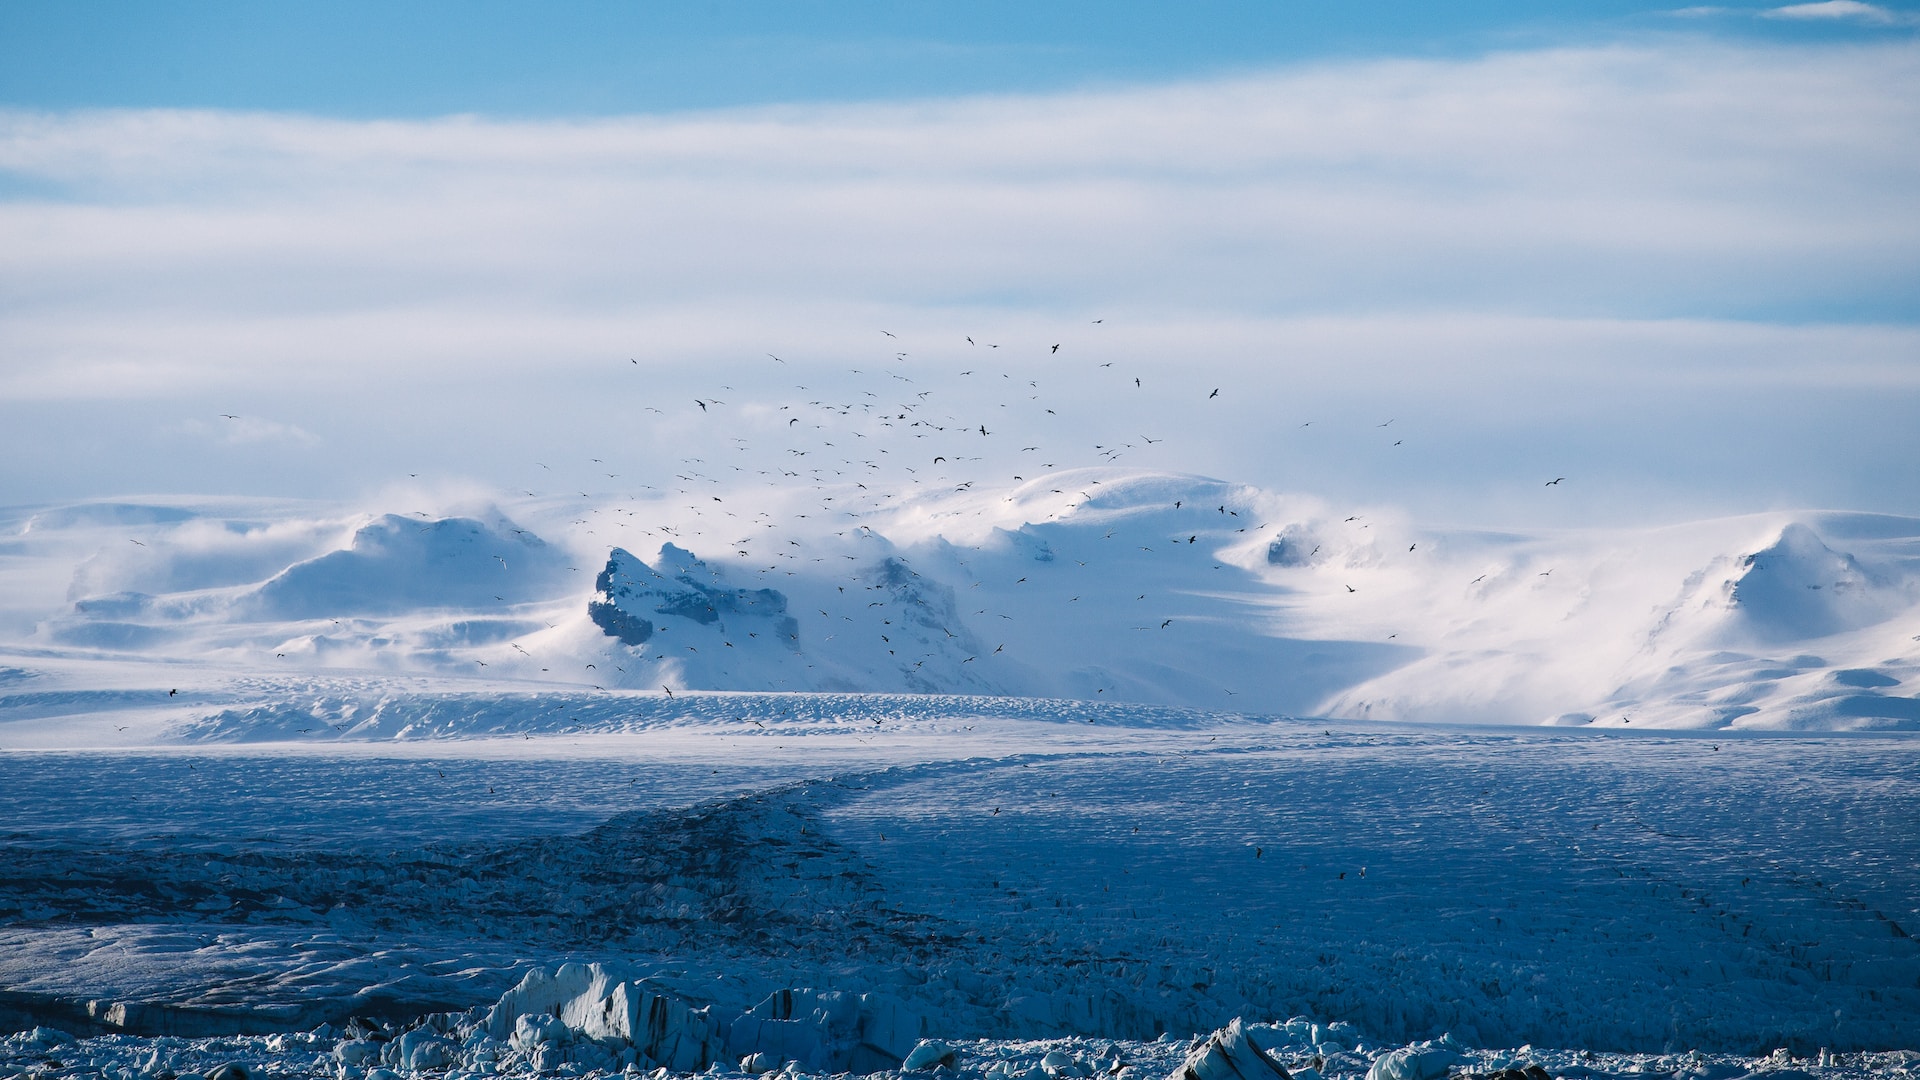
pixel 316 251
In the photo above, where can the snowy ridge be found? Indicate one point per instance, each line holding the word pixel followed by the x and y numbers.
pixel 331 716
pixel 1092 584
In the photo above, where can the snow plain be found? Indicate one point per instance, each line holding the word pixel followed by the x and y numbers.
pixel 988 871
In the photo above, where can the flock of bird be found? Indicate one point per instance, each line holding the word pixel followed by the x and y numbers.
pixel 828 453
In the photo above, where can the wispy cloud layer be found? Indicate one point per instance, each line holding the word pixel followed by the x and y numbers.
pixel 1846 11
pixel 1511 214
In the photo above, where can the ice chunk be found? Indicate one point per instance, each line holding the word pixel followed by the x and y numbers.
pixel 420 1048
pixel 599 1002
pixel 47 1036
pixel 829 1030
pixel 929 1053
pixel 535 1030
pixel 1422 1062
pixel 1228 1054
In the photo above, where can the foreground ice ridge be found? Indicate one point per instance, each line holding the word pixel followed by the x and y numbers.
pixel 614 1028
pixel 603 1011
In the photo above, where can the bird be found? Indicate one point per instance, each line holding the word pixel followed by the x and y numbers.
pixel 702 404
pixel 667 688
pixel 1554 481
pixel 131 540
pixel 1352 589
pixel 170 693
pixel 1056 348
pixel 1136 381
pixel 1215 394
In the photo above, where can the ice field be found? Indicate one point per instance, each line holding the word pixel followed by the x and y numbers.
pixel 1109 874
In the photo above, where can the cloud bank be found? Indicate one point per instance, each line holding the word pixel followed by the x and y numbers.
pixel 1523 225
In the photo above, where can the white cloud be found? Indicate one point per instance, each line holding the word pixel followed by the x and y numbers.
pixel 1528 225
pixel 1632 182
pixel 1843 10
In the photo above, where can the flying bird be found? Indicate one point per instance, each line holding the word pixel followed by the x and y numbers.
pixel 1555 480
pixel 1215 394
pixel 1056 348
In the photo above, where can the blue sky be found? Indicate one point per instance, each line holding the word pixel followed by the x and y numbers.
pixel 1675 254
pixel 369 59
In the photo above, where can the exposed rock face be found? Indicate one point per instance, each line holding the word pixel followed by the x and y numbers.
pixel 630 593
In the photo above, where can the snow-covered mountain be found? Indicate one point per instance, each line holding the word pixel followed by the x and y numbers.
pixel 1102 584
